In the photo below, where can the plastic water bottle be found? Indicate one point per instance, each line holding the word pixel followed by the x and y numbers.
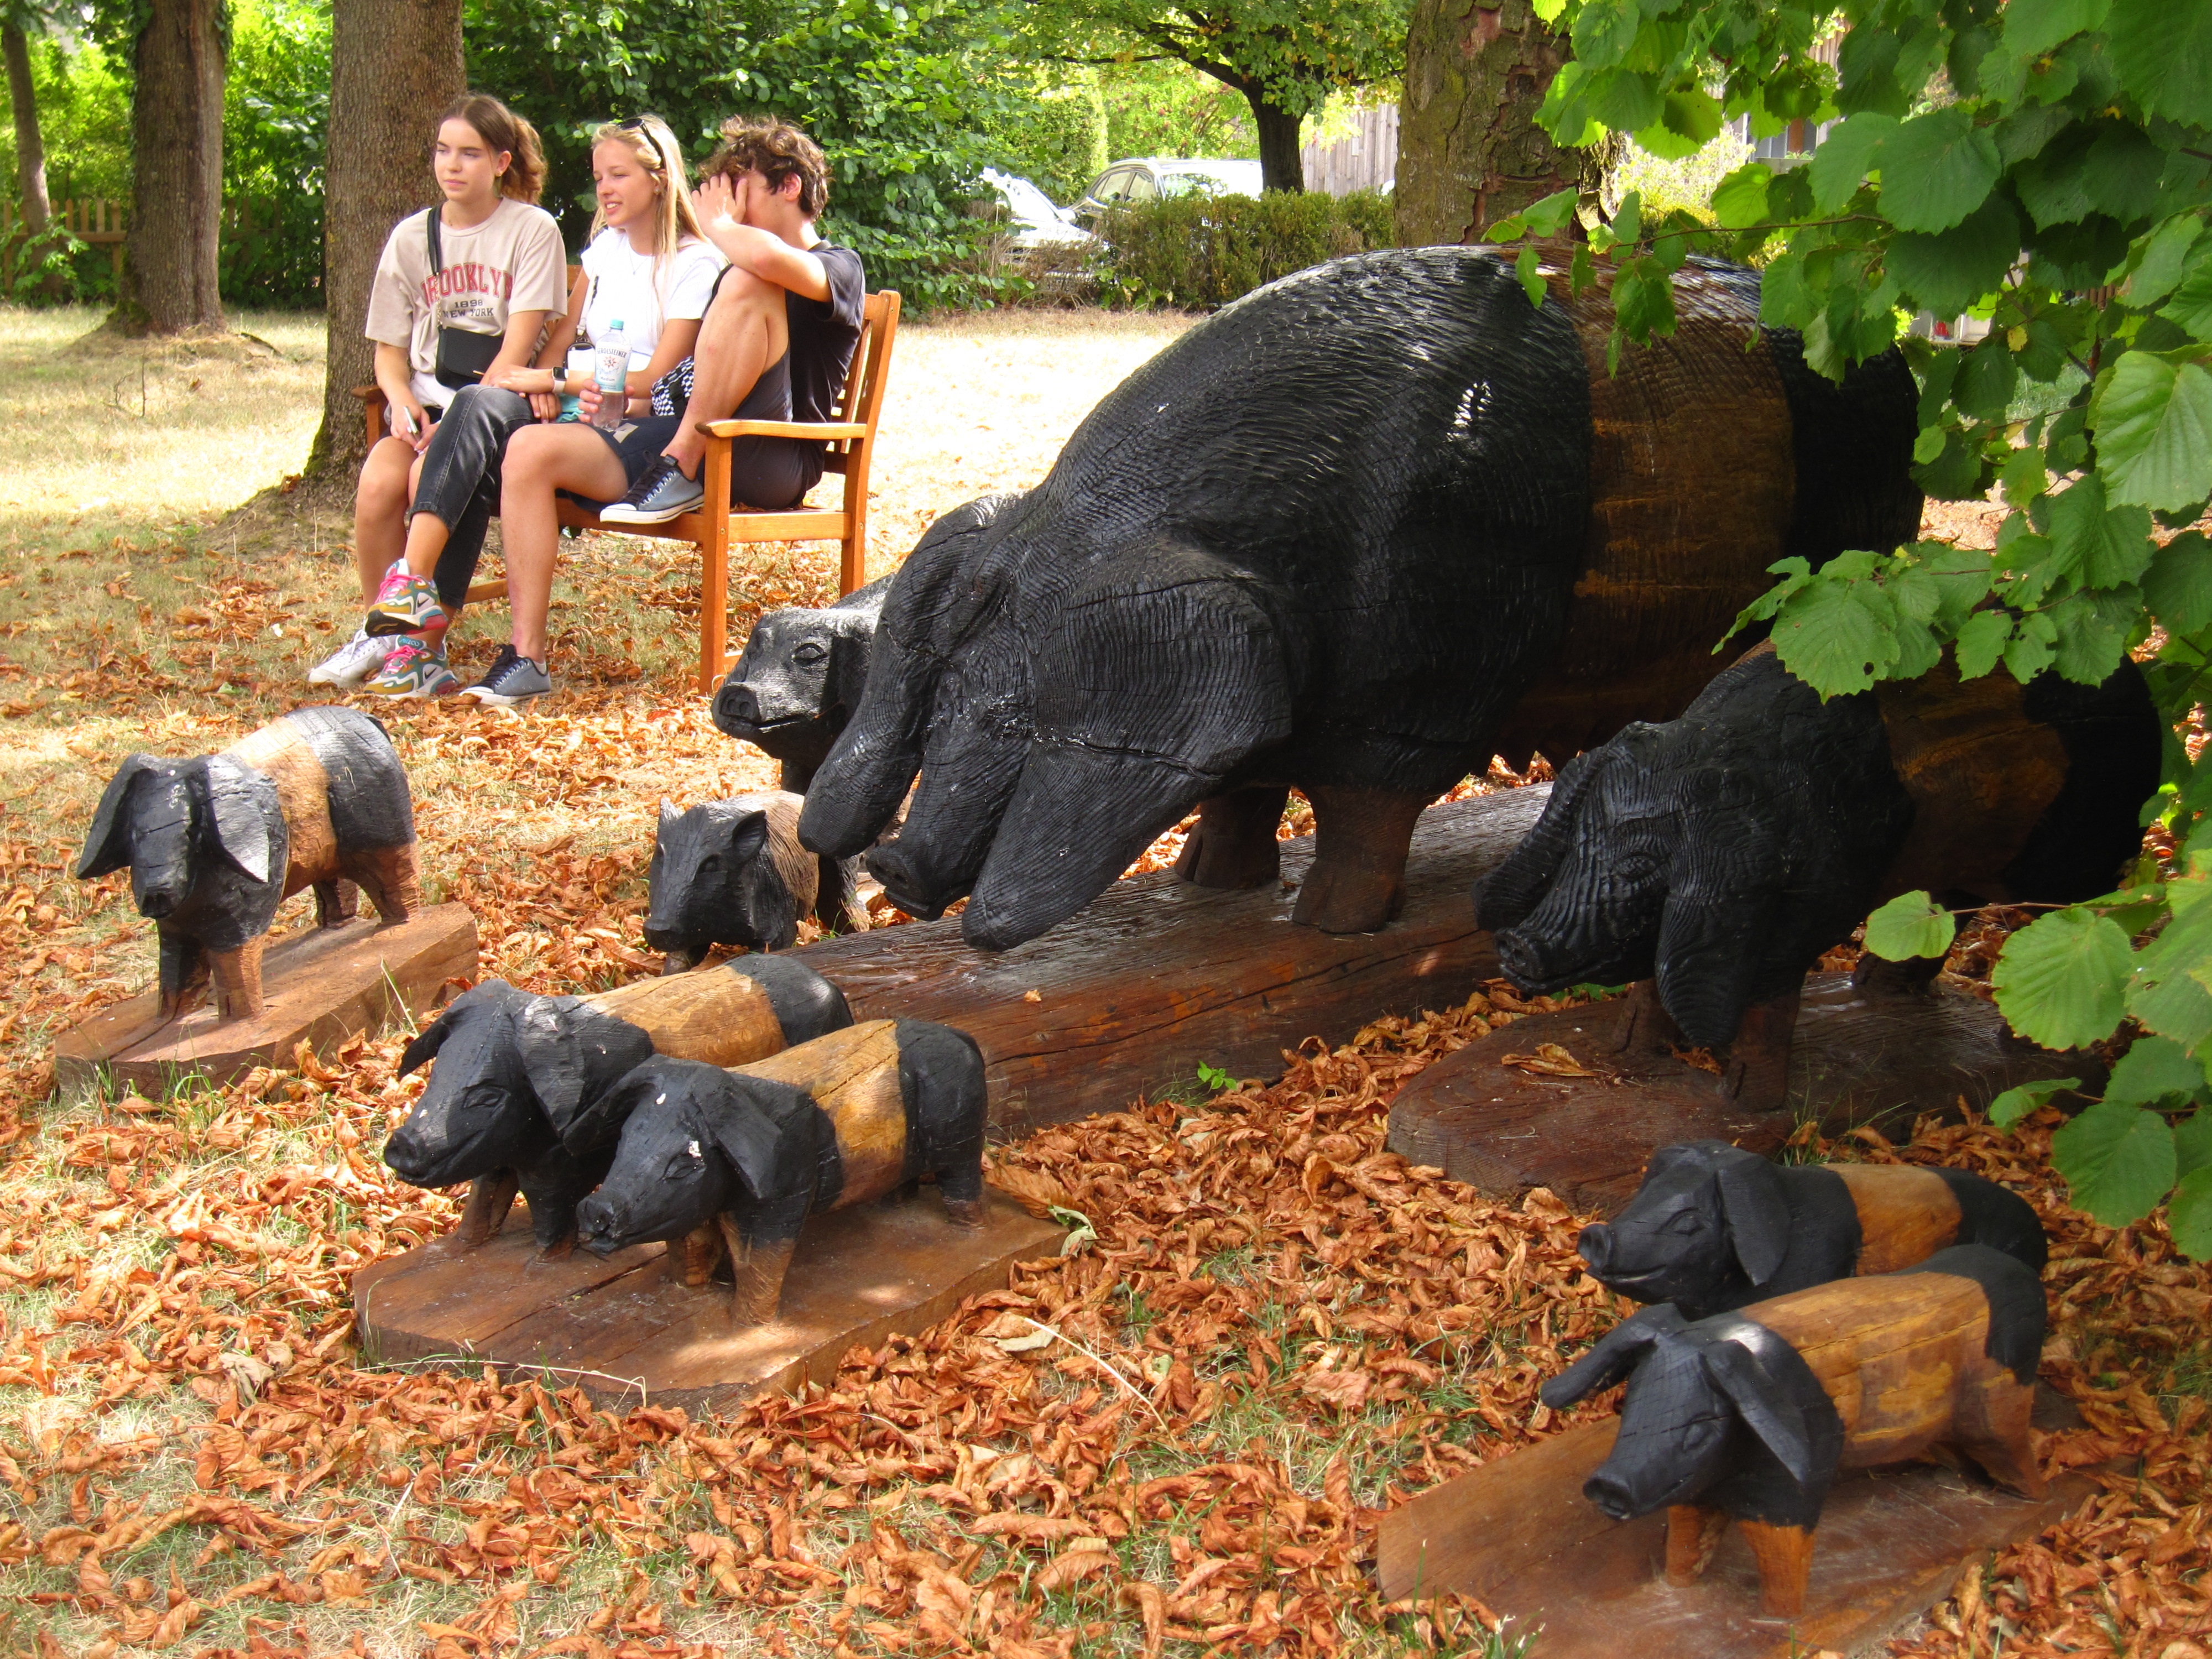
pixel 612 378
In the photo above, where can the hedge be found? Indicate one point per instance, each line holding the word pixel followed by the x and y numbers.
pixel 1204 251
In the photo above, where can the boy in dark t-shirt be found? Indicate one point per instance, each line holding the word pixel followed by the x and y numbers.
pixel 760 194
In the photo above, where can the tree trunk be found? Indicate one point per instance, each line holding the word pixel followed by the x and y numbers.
pixel 171 277
pixel 395 64
pixel 1469 149
pixel 30 143
pixel 1281 166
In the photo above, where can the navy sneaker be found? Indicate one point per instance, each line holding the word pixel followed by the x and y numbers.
pixel 664 493
pixel 513 678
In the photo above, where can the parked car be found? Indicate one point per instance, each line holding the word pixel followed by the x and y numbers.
pixel 1148 178
pixel 1032 221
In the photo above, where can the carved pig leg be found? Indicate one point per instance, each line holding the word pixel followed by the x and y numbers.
pixel 837 905
pixel 1357 882
pixel 1876 976
pixel 760 1257
pixel 1646 1027
pixel 491 1197
pixel 1758 1074
pixel 336 903
pixel 1997 1435
pixel 238 979
pixel 692 1259
pixel 183 970
pixel 677 960
pixel 1234 844
pixel 1693 1533
pixel 1784 1555
pixel 388 877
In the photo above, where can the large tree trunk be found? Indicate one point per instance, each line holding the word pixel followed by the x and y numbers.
pixel 1469 149
pixel 171 281
pixel 1281 166
pixel 394 65
pixel 30 143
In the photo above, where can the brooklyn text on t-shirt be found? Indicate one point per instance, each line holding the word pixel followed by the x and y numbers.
pixel 469 278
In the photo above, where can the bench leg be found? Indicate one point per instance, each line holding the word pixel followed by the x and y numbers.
pixel 715 567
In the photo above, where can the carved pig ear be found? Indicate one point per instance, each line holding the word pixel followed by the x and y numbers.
pixel 669 815
pixel 1763 1404
pixel 1758 1214
pixel 574 1055
pixel 749 1137
pixel 493 994
pixel 235 815
pixel 431 1038
pixel 1164 673
pixel 107 843
pixel 1509 895
pixel 1618 1352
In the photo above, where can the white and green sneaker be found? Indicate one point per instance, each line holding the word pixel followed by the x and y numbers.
pixel 351 663
pixel 513 678
pixel 415 670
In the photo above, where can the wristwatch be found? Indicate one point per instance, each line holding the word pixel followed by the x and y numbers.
pixel 561 380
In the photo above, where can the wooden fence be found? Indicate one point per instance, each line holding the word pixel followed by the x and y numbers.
pixel 1366 158
pixel 94 219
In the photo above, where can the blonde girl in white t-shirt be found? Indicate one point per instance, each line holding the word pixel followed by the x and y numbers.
pixel 645 253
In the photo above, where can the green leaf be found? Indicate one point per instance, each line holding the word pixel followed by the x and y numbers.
pixel 1628 217
pixel 2163 995
pixel 1936 169
pixel 1644 301
pixel 2016 1103
pixel 2193 1144
pixel 2093 627
pixel 1549 216
pixel 2178 589
pixel 1911 924
pixel 1528 265
pixel 1987 380
pixel 2032 647
pixel 2118 1160
pixel 2188 1214
pixel 1689 119
pixel 1950 272
pixel 1739 199
pixel 2062 980
pixel 2163 53
pixel 2164 255
pixel 2154 1068
pixel 1981 641
pixel 2154 424
pixel 2103 547
pixel 2190 307
pixel 2121 173
pixel 1511 228
pixel 2032 28
pixel 1843 158
pixel 1838 636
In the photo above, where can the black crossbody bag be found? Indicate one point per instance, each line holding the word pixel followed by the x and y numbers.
pixel 464 354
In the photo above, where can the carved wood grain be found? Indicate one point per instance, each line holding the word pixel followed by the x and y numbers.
pixel 718 1017
pixel 303 790
pixel 1906 1214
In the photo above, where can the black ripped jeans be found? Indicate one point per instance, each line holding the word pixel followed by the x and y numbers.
pixel 459 482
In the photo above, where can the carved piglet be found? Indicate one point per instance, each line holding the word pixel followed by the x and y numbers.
pixel 516 1100
pixel 1714 1226
pixel 732 872
pixel 315 798
pixel 1750 1414
pixel 751 1154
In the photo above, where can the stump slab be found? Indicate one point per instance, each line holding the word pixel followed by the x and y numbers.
pixel 1857 1061
pixel 1519 1535
pixel 623 1329
pixel 1155 976
pixel 320 986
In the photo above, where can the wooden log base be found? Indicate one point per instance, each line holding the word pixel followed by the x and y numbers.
pixel 1155 974
pixel 622 1328
pixel 1519 1534
pixel 318 987
pixel 1855 1059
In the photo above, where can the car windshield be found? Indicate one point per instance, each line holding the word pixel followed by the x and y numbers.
pixel 1027 203
pixel 1212 178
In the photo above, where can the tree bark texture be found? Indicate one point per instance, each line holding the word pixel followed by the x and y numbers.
pixel 395 64
pixel 1281 166
pixel 30 143
pixel 172 275
pixel 1469 149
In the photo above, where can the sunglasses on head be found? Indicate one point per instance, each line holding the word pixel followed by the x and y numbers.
pixel 637 124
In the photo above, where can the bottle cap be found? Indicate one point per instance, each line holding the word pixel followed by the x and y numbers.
pixel 615 327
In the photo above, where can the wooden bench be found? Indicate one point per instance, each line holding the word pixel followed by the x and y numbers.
pixel 850 442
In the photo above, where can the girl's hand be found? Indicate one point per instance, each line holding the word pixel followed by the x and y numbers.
pixel 587 398
pixel 516 378
pixel 546 405
pixel 409 421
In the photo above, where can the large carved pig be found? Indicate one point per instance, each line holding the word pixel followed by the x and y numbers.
pixel 1714 1226
pixel 802 672
pixel 518 1099
pixel 1716 856
pixel 732 872
pixel 1751 1414
pixel 315 798
pixel 1355 533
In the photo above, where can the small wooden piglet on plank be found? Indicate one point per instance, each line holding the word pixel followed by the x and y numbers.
pixel 1750 1414
pixel 1714 1226
pixel 214 843
pixel 732 872
pixel 517 1099
pixel 752 1152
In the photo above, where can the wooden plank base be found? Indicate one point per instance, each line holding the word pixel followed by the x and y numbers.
pixel 1519 1535
pixel 320 986
pixel 1155 976
pixel 623 1329
pixel 1856 1060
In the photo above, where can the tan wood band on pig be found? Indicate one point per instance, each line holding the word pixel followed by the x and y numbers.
pixel 854 1076
pixel 279 753
pixel 719 1016
pixel 1906 1214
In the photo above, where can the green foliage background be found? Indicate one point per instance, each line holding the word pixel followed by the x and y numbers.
pixel 1204 251
pixel 2046 164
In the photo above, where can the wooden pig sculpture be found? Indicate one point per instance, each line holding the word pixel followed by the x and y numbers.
pixel 1716 856
pixel 1714 1226
pixel 752 1152
pixel 732 872
pixel 1355 533
pixel 1750 1414
pixel 517 1101
pixel 315 798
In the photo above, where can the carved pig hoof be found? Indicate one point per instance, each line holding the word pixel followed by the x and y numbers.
pixel 1875 976
pixel 966 1212
pixel 1233 844
pixel 490 1198
pixel 1348 901
pixel 679 962
pixel 553 1253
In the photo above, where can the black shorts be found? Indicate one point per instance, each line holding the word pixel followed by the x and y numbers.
pixel 769 473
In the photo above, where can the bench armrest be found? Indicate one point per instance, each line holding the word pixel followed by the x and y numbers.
pixel 370 393
pixel 826 430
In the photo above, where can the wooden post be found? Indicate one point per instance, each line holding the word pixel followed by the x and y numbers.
pixel 714 566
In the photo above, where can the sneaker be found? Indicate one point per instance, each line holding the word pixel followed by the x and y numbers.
pixel 351 663
pixel 513 678
pixel 406 604
pixel 414 670
pixel 664 493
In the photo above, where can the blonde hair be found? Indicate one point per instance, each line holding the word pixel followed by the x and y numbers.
pixel 647 139
pixel 503 130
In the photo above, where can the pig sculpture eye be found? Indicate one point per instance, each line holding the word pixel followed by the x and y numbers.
pixel 808 654
pixel 1684 1223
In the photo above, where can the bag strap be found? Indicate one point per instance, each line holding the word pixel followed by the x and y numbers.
pixel 437 253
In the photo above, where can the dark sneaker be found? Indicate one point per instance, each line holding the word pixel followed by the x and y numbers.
pixel 513 679
pixel 664 493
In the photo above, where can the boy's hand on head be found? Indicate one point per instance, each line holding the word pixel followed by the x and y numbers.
pixel 718 205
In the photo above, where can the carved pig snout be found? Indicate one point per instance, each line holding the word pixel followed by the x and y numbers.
pixel 1612 1495
pixel 738 706
pixel 1595 1247
pixel 600 1225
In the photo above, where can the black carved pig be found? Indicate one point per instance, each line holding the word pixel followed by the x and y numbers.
pixel 1714 1226
pixel 754 1152
pixel 316 798
pixel 1355 532
pixel 518 1099
pixel 1719 855
pixel 1750 1414
pixel 732 872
